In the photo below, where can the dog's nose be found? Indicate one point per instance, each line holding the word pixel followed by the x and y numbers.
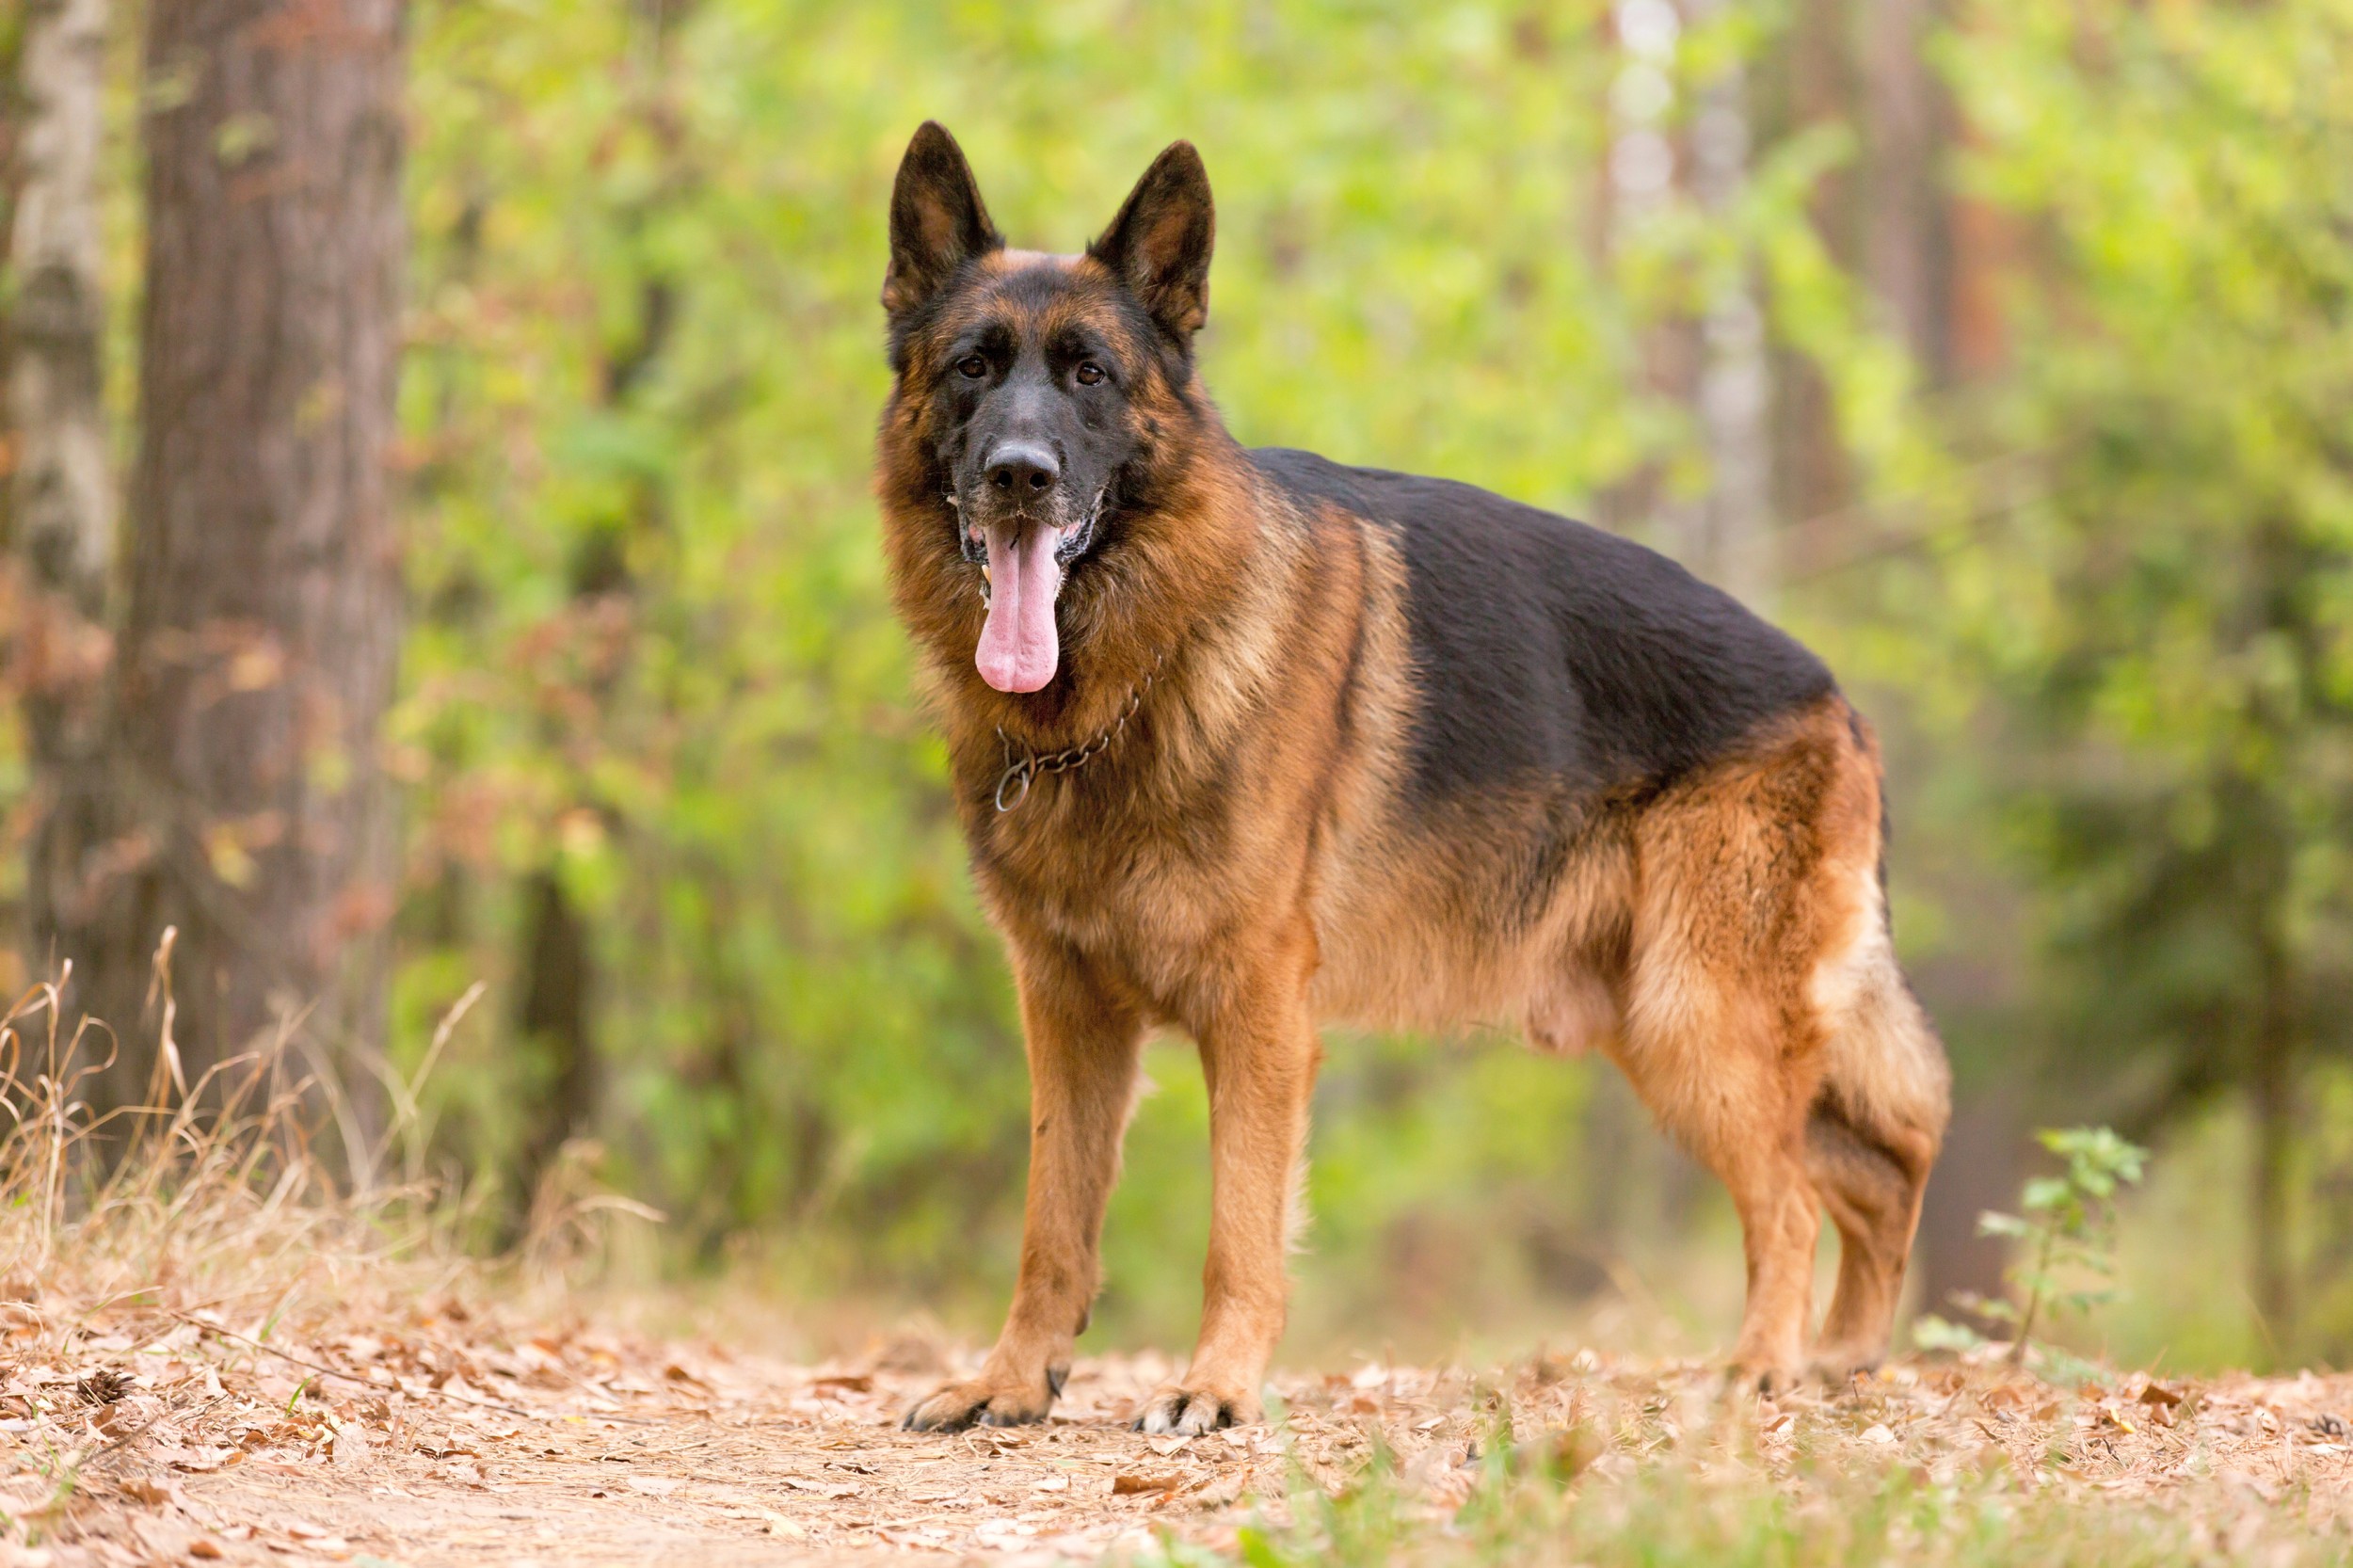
pixel 1019 469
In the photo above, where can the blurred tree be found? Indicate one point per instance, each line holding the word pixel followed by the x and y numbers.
pixel 1904 130
pixel 653 670
pixel 11 173
pixel 1863 76
pixel 61 500
pixel 557 967
pixel 2161 621
pixel 258 642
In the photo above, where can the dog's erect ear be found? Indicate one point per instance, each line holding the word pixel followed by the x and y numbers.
pixel 1159 244
pixel 938 222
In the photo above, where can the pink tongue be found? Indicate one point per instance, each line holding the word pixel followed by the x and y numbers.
pixel 1018 648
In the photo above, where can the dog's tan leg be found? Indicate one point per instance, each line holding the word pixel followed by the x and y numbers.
pixel 1871 1138
pixel 1259 1053
pixel 1875 1202
pixel 1720 1082
pixel 1779 1225
pixel 1084 1043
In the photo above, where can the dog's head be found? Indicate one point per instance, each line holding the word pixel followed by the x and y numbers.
pixel 1041 388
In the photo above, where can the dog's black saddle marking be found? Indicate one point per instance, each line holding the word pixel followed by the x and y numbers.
pixel 1546 649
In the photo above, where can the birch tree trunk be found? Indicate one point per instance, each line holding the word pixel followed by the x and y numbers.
pixel 1735 548
pixel 61 493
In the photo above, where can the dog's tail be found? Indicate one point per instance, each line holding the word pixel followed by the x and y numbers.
pixel 1878 1119
pixel 1885 1078
pixel 1886 1084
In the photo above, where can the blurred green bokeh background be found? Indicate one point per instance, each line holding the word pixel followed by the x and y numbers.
pixel 2000 350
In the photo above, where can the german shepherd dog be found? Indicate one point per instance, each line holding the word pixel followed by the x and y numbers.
pixel 1243 741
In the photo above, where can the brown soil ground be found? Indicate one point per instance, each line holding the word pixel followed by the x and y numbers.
pixel 454 1439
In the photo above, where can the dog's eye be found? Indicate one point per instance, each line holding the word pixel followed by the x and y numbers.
pixel 1089 373
pixel 972 366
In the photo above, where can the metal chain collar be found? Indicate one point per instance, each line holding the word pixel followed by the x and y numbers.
pixel 1026 767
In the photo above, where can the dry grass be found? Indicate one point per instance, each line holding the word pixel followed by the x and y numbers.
pixel 207 1195
pixel 211 1350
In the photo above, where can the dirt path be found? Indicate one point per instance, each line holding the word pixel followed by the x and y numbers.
pixel 749 1463
pixel 456 1440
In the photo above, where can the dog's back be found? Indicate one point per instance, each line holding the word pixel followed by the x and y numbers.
pixel 1547 650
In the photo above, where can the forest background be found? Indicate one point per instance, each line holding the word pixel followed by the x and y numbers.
pixel 2002 349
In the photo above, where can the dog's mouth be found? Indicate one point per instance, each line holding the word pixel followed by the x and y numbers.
pixel 1023 562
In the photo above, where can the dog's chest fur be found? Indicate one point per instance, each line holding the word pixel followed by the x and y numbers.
pixel 1253 787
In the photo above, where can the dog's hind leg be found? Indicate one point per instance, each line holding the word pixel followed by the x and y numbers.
pixel 1768 1029
pixel 1712 1070
pixel 1871 1135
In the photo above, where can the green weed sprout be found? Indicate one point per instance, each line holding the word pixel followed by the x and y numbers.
pixel 2066 1237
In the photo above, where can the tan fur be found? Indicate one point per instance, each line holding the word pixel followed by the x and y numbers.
pixel 1244 864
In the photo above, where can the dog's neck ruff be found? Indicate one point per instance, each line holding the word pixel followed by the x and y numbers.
pixel 1013 785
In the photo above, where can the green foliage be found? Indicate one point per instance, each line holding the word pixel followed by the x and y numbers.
pixel 2066 1240
pixel 2162 620
pixel 653 666
pixel 2154 622
pixel 651 675
pixel 1668 1513
pixel 654 661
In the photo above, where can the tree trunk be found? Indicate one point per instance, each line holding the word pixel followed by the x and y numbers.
pixel 1979 1168
pixel 2275 1136
pixel 1734 384
pixel 257 646
pixel 2286 568
pixel 555 1019
pixel 2274 1081
pixel 1906 240
pixel 61 494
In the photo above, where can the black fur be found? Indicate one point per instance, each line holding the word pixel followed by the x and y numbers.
pixel 939 226
pixel 1160 242
pixel 1545 651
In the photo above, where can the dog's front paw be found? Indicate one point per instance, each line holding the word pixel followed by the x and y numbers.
pixel 981 1402
pixel 1747 1375
pixel 1189 1412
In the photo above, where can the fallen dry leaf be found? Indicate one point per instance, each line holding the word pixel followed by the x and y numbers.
pixel 197 1461
pixel 823 1489
pixel 153 1493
